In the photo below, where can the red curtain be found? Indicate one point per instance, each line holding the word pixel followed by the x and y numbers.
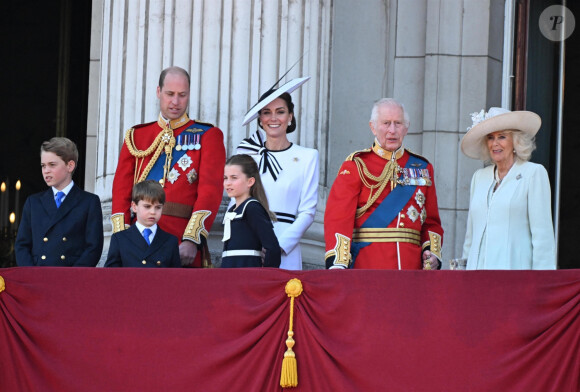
pixel 95 329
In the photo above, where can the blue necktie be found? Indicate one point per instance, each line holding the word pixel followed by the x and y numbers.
pixel 146 234
pixel 58 198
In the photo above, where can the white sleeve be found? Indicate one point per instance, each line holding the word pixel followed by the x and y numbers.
pixel 306 206
pixel 540 217
pixel 469 228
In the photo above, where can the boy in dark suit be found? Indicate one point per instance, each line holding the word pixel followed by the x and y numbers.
pixel 144 244
pixel 62 226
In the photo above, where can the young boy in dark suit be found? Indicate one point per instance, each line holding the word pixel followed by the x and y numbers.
pixel 62 226
pixel 144 244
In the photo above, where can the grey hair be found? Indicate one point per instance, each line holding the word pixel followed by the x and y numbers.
pixel 389 102
pixel 524 144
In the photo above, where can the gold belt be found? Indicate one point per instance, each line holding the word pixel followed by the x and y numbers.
pixel 387 235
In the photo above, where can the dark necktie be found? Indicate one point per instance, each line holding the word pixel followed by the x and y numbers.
pixel 58 198
pixel 146 234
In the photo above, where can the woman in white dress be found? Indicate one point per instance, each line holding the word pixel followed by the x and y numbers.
pixel 509 225
pixel 288 171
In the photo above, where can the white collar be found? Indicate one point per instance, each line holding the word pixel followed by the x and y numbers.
pixel 65 190
pixel 141 227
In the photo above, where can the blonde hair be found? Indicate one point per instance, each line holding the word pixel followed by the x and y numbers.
pixel 524 145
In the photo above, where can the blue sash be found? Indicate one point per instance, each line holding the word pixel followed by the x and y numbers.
pixel 156 172
pixel 389 208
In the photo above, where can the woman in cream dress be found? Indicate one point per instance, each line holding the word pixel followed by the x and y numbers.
pixel 509 225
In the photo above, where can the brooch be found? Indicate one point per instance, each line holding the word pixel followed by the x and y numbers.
pixel 172 175
pixel 191 176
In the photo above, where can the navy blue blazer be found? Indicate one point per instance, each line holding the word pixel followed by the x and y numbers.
pixel 128 248
pixel 71 235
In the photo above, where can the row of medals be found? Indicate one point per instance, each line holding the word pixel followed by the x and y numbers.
pixel 187 142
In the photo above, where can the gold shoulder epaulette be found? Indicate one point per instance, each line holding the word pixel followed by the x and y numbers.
pixel 351 156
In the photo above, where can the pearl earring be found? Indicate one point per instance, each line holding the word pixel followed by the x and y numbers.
pixel 289 123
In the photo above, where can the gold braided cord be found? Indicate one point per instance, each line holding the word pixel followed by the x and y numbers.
pixel 152 161
pixel 164 141
pixel 130 142
pixel 389 174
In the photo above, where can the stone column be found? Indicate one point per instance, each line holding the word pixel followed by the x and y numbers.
pixel 234 51
pixel 463 74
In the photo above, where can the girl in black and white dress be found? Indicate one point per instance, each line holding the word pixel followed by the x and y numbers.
pixel 248 226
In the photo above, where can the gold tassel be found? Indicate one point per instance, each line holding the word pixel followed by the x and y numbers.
pixel 289 375
pixel 2 284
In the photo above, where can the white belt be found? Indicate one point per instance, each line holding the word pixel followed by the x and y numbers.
pixel 241 252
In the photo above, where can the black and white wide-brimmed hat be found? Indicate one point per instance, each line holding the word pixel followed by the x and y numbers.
pixel 271 95
pixel 496 119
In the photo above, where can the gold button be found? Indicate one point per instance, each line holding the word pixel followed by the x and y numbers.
pixel 64 239
pixel 158 262
pixel 62 257
pixel 45 239
pixel 144 262
pixel 403 216
pixel 43 257
pixel 401 224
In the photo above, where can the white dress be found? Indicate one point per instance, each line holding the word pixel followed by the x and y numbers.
pixel 291 184
pixel 510 228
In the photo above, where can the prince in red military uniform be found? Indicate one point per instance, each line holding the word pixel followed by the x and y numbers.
pixel 186 157
pixel 382 208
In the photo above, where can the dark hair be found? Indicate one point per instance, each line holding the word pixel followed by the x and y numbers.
pixel 288 99
pixel 148 190
pixel 173 70
pixel 63 147
pixel 250 169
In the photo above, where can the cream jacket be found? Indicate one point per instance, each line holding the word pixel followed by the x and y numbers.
pixel 515 230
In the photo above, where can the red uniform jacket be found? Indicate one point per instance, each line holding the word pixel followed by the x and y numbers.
pixel 193 185
pixel 415 227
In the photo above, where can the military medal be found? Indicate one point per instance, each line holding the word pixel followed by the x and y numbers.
pixel 184 162
pixel 191 176
pixel 190 145
pixel 197 144
pixel 420 198
pixel 412 213
pixel 179 146
pixel 415 177
pixel 172 176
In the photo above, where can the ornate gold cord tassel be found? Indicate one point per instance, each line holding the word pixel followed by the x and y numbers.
pixel 289 375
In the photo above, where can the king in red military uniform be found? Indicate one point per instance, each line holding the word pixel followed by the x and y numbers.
pixel 186 157
pixel 382 208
